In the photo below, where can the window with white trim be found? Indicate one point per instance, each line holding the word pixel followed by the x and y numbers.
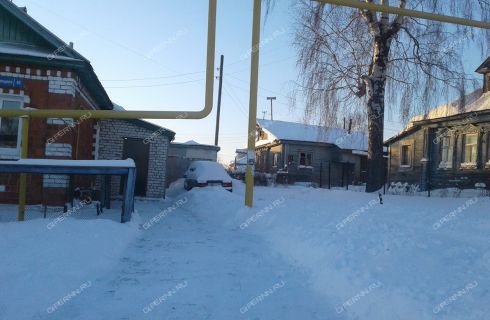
pixel 446 152
pixel 305 159
pixel 10 129
pixel 406 155
pixel 275 159
pixel 470 148
pixel 488 149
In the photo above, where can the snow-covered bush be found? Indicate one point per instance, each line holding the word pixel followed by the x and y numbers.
pixel 399 188
pixel 481 188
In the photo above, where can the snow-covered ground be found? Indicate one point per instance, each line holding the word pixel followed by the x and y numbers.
pixel 300 253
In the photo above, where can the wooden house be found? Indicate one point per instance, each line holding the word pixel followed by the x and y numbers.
pixel 309 153
pixel 447 148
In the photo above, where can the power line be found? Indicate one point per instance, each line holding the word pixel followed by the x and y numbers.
pixel 262 65
pixel 127 48
pixel 261 95
pixel 154 78
pixel 188 73
pixel 155 85
pixel 262 88
pixel 236 101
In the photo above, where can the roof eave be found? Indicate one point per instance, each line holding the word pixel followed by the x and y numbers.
pixel 197 146
pixel 83 68
pixel 418 124
pixel 402 134
pixel 153 127
pixel 485 67
pixel 50 37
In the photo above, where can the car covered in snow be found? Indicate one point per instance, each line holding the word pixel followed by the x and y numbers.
pixel 205 174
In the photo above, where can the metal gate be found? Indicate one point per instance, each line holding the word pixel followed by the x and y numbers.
pixel 336 174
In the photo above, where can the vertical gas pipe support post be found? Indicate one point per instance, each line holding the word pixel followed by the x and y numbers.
pixel 252 113
pixel 23 176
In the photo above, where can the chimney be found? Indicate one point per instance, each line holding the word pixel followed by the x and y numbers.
pixel 71 44
pixel 484 70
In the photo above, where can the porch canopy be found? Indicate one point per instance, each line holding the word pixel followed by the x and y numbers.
pixel 90 167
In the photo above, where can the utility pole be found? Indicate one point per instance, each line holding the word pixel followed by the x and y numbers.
pixel 216 134
pixel 252 109
pixel 271 99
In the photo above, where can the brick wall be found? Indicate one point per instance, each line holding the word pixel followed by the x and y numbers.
pixel 48 88
pixel 112 134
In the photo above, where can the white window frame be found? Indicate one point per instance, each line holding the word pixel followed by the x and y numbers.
pixel 12 153
pixel 487 151
pixel 447 158
pixel 306 159
pixel 275 159
pixel 411 154
pixel 465 162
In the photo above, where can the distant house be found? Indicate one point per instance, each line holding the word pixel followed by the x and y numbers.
pixel 180 155
pixel 238 167
pixel 329 156
pixel 449 146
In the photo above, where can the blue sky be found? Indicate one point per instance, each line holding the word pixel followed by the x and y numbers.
pixel 156 50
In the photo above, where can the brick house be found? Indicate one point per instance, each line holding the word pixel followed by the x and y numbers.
pixel 146 143
pixel 40 71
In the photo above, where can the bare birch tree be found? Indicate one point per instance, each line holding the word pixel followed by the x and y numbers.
pixel 358 61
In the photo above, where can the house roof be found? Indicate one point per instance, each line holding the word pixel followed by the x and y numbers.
pixel 35 44
pixel 152 127
pixel 147 125
pixel 485 67
pixel 474 102
pixel 292 131
pixel 194 144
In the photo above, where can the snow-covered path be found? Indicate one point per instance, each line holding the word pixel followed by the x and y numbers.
pixel 219 269
pixel 300 253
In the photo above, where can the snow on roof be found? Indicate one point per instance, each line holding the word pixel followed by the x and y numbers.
pixel 117 107
pixel 282 130
pixel 191 142
pixel 241 160
pixel 474 101
pixel 144 123
pixel 32 51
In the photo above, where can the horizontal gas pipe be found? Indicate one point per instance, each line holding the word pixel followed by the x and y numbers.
pixel 407 12
pixel 109 114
